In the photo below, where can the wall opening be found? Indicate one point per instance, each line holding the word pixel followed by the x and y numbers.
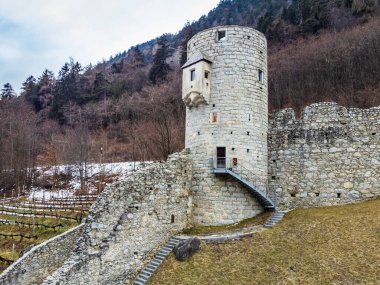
pixel 214 117
pixel 207 74
pixel 221 35
pixel 339 195
pixel 316 194
pixel 192 75
pixel 172 219
pixel 261 75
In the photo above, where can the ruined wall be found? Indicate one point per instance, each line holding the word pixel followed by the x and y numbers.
pixel 41 260
pixel 330 156
pixel 130 220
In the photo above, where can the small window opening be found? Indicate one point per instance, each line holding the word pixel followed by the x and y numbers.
pixel 192 75
pixel 169 185
pixel 214 117
pixel 374 134
pixel 261 52
pixel 247 133
pixel 249 37
pixel 207 74
pixel 316 194
pixel 231 133
pixel 270 138
pixel 206 84
pixel 338 195
pixel 261 75
pixel 135 253
pixel 199 133
pixel 221 35
pixel 185 171
pixel 172 219
pixel 150 188
pixel 233 148
pixel 213 105
pixel 293 195
pixel 273 177
pixel 247 149
pixel 274 160
pixel 345 134
pixel 249 117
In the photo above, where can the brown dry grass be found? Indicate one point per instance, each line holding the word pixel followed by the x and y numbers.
pixel 331 245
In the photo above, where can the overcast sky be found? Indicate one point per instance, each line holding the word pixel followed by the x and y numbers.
pixel 39 34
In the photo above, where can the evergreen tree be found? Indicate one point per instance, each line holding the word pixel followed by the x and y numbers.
pixel 160 69
pixel 7 92
pixel 30 91
pixel 67 89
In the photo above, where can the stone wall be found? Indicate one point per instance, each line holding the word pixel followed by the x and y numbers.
pixel 41 260
pixel 330 156
pixel 128 222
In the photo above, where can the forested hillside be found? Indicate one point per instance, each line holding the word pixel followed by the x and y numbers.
pixel 130 108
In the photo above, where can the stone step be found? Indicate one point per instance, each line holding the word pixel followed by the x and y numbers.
pixel 141 280
pixel 138 283
pixel 145 275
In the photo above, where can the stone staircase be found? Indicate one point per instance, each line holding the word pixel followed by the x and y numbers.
pixel 278 215
pixel 151 268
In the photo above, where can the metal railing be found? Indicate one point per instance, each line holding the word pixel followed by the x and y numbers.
pixel 243 172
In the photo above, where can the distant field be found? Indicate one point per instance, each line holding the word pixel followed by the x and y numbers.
pixel 19 230
pixel 331 245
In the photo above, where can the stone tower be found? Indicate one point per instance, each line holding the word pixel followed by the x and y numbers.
pixel 226 95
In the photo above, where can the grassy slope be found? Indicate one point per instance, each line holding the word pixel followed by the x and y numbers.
pixel 6 244
pixel 332 245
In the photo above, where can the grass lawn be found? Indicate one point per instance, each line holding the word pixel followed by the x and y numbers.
pixel 330 245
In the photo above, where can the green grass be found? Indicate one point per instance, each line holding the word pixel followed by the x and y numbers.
pixel 258 220
pixel 331 245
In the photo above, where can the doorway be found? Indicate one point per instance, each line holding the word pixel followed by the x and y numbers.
pixel 221 157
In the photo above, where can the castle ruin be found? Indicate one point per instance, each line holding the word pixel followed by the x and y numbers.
pixel 235 166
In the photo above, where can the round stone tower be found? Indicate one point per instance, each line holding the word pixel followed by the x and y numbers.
pixel 225 90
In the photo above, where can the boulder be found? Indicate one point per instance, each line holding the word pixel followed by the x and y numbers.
pixel 186 249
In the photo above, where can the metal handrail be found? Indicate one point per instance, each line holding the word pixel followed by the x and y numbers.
pixel 243 172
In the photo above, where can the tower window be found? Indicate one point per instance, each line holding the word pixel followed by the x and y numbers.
pixel 192 75
pixel 207 74
pixel 214 117
pixel 249 117
pixel 261 75
pixel 221 35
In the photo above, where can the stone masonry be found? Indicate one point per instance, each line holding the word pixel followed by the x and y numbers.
pixel 128 222
pixel 232 114
pixel 330 156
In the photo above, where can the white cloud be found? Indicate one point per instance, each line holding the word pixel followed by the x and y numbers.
pixel 42 34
